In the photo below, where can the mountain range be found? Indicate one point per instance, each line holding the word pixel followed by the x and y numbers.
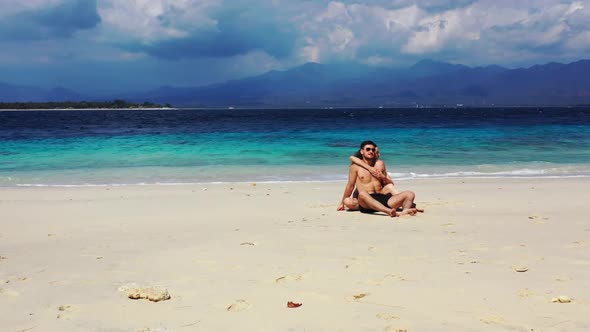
pixel 427 83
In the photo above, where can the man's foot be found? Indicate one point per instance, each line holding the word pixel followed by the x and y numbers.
pixel 409 212
pixel 417 209
pixel 392 213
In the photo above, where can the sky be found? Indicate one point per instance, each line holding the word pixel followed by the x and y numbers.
pixel 106 46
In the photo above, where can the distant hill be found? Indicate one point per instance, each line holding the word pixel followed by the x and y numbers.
pixel 23 93
pixel 427 83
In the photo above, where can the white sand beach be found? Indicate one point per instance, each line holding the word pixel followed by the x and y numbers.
pixel 66 253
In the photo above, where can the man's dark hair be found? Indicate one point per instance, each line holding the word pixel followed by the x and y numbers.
pixel 368 143
pixel 358 152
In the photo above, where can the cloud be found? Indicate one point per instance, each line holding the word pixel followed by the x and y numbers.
pixel 471 32
pixel 56 21
pixel 203 41
pixel 378 31
pixel 154 20
pixel 177 29
pixel 432 6
pixel 234 34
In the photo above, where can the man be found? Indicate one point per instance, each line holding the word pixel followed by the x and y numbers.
pixel 369 187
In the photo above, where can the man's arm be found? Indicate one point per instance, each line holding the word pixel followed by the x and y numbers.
pixel 349 186
pixel 359 162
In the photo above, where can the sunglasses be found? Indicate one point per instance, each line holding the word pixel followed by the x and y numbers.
pixel 370 149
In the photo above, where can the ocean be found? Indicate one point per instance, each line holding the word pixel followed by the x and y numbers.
pixel 119 147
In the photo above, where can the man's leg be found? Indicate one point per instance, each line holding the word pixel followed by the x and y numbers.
pixel 405 200
pixel 352 204
pixel 368 202
pixel 389 189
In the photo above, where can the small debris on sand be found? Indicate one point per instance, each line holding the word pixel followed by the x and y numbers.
pixel 386 316
pixel 158 329
pixel 520 268
pixel 239 305
pixel 293 304
pixel 561 299
pixel 359 296
pixel 152 293
pixel 525 292
pixel 248 244
pixel 65 311
pixel 533 217
pixel 394 329
pixel 287 278
pixel 8 292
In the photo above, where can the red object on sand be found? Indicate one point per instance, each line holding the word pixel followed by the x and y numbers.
pixel 293 304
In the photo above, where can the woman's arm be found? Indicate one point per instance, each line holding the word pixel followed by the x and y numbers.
pixel 380 167
pixel 359 162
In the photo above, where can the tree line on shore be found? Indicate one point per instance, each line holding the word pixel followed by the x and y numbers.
pixel 118 103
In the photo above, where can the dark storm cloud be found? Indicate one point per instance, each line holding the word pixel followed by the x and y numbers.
pixel 236 33
pixel 56 22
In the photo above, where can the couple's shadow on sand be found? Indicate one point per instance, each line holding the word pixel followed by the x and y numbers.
pixel 381 214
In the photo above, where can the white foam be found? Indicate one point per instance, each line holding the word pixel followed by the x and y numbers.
pixel 328 175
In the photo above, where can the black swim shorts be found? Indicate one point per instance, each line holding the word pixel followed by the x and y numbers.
pixel 381 198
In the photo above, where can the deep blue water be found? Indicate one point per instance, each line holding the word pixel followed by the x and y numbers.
pixel 163 146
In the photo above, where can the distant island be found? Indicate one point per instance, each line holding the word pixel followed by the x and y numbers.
pixel 427 83
pixel 115 104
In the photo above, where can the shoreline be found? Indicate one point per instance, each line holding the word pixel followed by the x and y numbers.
pixel 340 181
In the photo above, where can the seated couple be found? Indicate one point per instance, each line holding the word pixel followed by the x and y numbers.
pixel 375 191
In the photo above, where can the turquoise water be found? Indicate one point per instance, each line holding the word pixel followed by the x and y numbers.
pixel 188 146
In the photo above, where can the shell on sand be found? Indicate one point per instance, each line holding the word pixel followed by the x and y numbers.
pixel 561 299
pixel 239 305
pixel 520 268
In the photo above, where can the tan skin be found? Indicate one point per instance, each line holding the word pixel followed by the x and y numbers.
pixel 367 184
pixel 379 172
